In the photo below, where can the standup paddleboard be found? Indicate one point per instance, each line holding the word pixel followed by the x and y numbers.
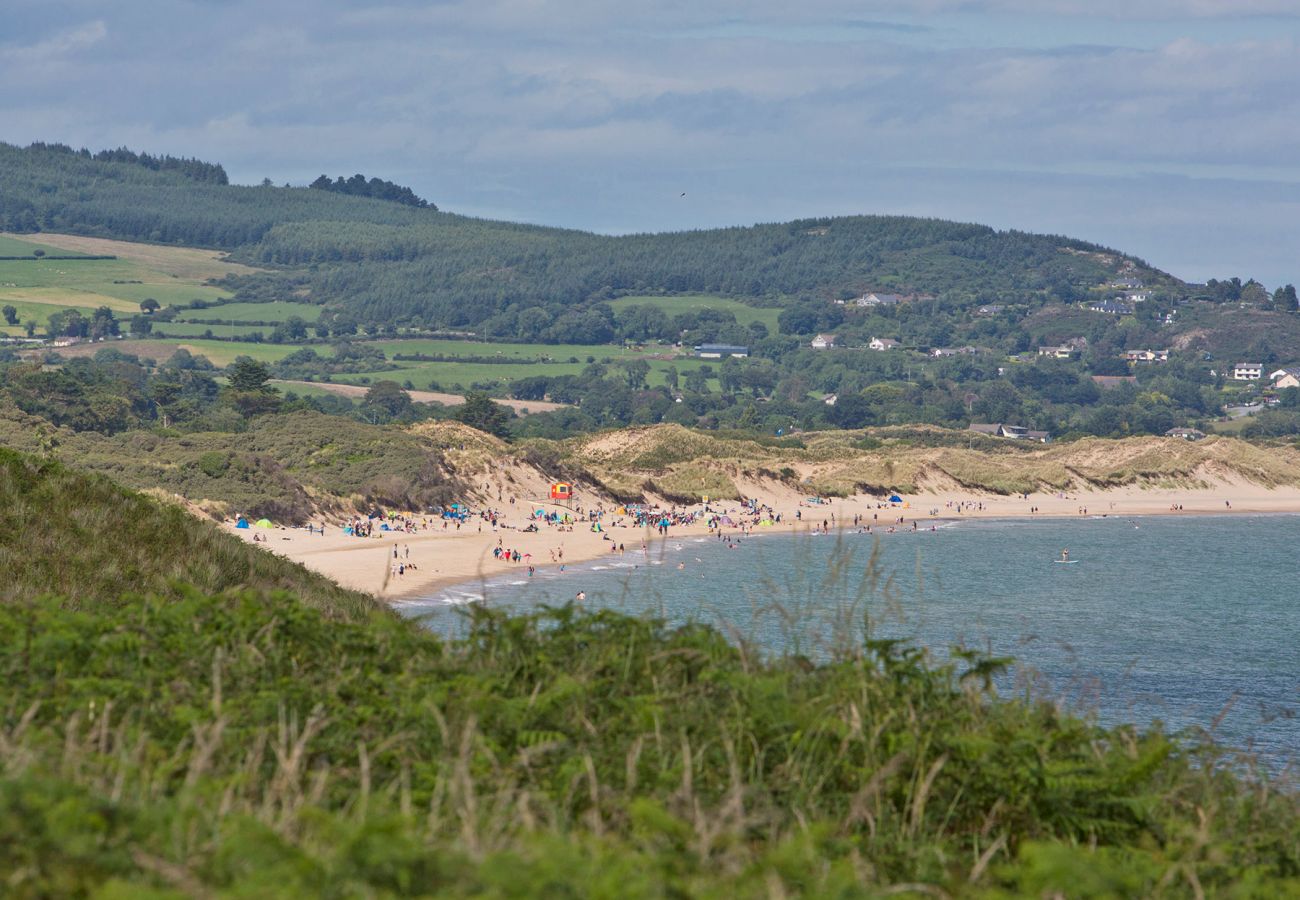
pixel 1065 561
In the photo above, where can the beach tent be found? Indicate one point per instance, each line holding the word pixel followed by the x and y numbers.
pixel 242 523
pixel 264 523
pixel 894 498
pixel 383 526
pixel 726 520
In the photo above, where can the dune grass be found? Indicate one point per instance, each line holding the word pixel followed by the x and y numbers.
pixel 83 537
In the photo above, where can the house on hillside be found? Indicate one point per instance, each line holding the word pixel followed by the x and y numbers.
pixel 1014 432
pixel 882 343
pixel 720 351
pixel 1247 372
pixel 1130 284
pixel 1134 357
pixel 990 309
pixel 873 299
pixel 1187 434
pixel 1062 351
pixel 1285 378
pixel 1136 296
pixel 944 352
pixel 1106 382
pixel 823 342
pixel 1110 308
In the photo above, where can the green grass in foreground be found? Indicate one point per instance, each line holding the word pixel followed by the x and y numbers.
pixel 249 747
pixel 253 745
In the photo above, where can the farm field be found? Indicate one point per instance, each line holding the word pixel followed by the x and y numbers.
pixel 220 353
pixel 185 263
pixel 196 329
pixel 16 246
pixel 274 312
pixel 676 304
pixel 517 360
pixel 42 287
pixel 544 352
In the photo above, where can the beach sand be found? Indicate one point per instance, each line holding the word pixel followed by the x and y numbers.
pixel 451 556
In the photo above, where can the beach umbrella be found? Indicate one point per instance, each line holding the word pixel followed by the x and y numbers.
pixel 264 523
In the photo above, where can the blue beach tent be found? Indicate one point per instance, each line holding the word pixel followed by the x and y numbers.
pixel 894 498
pixel 242 523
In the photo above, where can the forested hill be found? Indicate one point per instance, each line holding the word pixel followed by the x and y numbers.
pixel 374 260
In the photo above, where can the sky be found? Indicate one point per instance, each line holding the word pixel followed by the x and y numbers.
pixel 1169 129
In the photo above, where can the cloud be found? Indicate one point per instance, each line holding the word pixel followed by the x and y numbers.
pixel 63 43
pixel 580 112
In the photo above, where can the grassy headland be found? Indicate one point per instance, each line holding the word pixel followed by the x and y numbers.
pixel 86 539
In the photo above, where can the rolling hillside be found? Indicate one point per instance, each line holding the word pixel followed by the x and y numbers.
pixel 382 262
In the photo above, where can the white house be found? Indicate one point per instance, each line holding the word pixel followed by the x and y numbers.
pixel 882 343
pixel 823 342
pixel 873 299
pixel 1064 351
pixel 1146 356
pixel 720 351
pixel 1187 434
pixel 1247 372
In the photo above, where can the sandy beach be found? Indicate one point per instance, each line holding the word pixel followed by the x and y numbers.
pixel 444 556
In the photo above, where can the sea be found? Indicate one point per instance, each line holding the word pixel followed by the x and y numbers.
pixel 1193 622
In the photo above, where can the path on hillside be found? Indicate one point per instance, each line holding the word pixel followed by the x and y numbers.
pixel 356 390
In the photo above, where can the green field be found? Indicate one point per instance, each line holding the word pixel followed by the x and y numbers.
pixel 276 312
pixel 194 329
pixel 679 303
pixel 42 287
pixel 544 352
pixel 10 246
pixel 553 360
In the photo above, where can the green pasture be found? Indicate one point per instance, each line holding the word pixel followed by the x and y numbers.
pixel 275 312
pixel 559 353
pixel 36 312
pixel 676 304
pixel 11 246
pixel 195 329
pixel 116 283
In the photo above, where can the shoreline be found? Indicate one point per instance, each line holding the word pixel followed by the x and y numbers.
pixel 449 558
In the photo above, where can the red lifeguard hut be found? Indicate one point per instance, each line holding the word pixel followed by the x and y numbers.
pixel 561 490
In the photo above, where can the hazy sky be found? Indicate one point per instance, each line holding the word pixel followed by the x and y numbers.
pixel 1166 128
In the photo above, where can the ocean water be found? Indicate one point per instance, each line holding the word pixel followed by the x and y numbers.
pixel 1192 621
